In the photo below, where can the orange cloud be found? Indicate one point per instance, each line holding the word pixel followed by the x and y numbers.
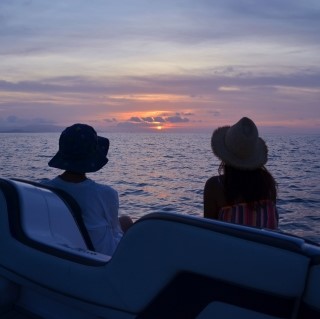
pixel 151 97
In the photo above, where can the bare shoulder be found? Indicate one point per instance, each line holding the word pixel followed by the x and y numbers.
pixel 213 197
pixel 213 184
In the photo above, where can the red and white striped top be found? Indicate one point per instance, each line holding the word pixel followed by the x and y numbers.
pixel 262 214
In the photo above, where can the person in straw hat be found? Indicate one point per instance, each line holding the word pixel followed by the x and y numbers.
pixel 82 151
pixel 244 192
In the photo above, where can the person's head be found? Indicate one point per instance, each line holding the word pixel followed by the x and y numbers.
pixel 239 145
pixel 81 150
pixel 243 155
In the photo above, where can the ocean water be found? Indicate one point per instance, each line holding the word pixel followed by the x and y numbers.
pixel 163 172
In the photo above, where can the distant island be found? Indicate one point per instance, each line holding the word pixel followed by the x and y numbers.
pixel 32 129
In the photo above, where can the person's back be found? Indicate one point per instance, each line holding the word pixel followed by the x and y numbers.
pixel 244 192
pixel 82 151
pixel 99 205
pixel 260 213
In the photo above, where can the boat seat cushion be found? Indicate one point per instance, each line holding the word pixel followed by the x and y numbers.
pixel 46 218
pixel 37 214
pixel 198 262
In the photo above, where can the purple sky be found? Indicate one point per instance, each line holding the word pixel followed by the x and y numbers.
pixel 139 65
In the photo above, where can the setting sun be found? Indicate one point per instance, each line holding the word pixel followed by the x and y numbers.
pixel 159 127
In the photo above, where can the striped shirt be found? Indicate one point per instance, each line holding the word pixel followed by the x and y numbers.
pixel 262 214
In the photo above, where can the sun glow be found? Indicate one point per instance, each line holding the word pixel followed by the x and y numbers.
pixel 159 127
pixel 151 97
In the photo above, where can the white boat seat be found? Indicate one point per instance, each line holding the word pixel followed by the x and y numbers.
pixel 210 269
pixel 43 218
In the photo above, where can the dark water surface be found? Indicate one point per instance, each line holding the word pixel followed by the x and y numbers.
pixel 162 172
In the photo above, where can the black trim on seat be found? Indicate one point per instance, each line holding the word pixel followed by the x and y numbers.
pixel 308 312
pixel 189 293
pixel 14 216
pixel 73 207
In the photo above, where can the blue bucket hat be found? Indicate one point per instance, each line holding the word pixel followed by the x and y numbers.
pixel 81 150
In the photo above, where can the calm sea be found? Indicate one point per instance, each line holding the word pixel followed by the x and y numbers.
pixel 162 172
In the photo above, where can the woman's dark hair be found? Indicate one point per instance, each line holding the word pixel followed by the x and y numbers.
pixel 247 185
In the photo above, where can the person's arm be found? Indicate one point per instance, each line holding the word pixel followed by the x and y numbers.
pixel 114 213
pixel 212 193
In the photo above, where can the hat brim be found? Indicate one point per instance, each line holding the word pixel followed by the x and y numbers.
pixel 258 158
pixel 93 163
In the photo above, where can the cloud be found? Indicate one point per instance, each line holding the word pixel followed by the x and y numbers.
pixel 159 119
pixel 203 82
pixel 113 120
pixel 176 119
pixel 152 121
pixel 23 121
pixel 148 119
pixel 188 114
pixel 120 30
pixel 105 60
pixel 135 119
pixel 215 113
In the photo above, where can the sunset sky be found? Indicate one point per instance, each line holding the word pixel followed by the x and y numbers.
pixel 170 65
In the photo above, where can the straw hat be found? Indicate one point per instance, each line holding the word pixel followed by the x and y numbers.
pixel 240 145
pixel 81 150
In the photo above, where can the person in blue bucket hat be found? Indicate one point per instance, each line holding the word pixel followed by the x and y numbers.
pixel 82 151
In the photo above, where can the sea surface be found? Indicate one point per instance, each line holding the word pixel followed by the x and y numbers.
pixel 164 172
